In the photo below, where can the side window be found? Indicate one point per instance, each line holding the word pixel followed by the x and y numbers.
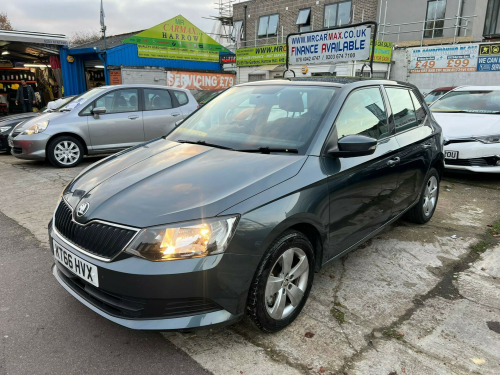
pixel 363 113
pixel 119 101
pixel 402 108
pixel 155 99
pixel 181 97
pixel 419 109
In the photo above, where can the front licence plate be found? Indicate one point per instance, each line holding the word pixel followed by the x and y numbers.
pixel 451 154
pixel 78 266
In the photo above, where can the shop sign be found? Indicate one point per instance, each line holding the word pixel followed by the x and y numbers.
pixel 489 58
pixel 444 59
pixel 266 55
pixel 177 38
pixel 383 51
pixel 330 46
pixel 199 81
pixel 227 59
pixel 115 77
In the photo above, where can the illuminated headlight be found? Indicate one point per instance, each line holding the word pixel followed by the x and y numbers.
pixel 4 129
pixel 489 139
pixel 36 128
pixel 182 241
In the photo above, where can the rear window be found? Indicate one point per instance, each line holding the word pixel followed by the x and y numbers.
pixel 181 97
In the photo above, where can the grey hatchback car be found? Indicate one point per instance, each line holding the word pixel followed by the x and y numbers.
pixel 106 119
pixel 234 210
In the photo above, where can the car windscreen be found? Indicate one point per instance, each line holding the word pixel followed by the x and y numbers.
pixel 246 118
pixel 484 101
pixel 79 100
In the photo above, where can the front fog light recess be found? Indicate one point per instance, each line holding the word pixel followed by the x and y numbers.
pixel 185 240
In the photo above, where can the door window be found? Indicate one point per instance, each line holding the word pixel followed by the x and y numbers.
pixel 181 97
pixel 363 113
pixel 419 109
pixel 402 108
pixel 119 101
pixel 155 99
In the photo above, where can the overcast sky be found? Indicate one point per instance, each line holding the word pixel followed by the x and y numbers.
pixel 122 16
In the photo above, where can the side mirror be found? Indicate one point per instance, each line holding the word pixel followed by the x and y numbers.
pixel 353 145
pixel 98 111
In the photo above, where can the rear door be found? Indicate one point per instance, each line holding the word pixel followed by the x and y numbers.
pixel 415 140
pixel 361 188
pixel 160 114
pixel 121 126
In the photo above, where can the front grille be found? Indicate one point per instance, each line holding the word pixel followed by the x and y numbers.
pixel 96 238
pixel 475 162
pixel 136 308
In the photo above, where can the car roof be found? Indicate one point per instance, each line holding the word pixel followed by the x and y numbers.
pixel 327 81
pixel 477 88
pixel 134 85
pixel 446 88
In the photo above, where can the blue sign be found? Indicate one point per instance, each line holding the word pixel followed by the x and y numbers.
pixel 489 58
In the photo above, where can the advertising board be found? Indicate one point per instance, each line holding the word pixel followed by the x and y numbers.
pixel 444 59
pixel 329 46
pixel 489 58
pixel 266 55
pixel 199 81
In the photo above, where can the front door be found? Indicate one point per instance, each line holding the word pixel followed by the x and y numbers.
pixel 361 192
pixel 121 126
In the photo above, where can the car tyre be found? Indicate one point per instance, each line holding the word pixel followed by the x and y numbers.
pixel 422 212
pixel 65 152
pixel 282 282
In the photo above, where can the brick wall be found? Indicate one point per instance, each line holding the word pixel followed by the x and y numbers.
pixel 363 10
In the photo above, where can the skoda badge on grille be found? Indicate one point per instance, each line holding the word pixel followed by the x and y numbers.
pixel 82 209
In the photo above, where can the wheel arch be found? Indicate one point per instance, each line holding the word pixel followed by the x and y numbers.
pixel 68 134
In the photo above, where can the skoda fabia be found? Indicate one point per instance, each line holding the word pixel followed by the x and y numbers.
pixel 233 211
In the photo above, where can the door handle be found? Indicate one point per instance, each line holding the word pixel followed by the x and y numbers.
pixel 176 114
pixel 427 145
pixel 393 162
pixel 133 117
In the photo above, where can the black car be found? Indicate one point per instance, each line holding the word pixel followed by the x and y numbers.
pixel 7 123
pixel 233 211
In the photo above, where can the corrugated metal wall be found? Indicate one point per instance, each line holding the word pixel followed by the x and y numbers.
pixel 126 55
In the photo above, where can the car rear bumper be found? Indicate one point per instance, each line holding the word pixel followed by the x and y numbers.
pixel 474 157
pixel 172 295
pixel 31 147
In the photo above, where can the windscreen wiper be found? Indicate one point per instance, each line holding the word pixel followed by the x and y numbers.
pixel 203 143
pixel 268 150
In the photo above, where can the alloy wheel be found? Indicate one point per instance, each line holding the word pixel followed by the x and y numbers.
pixel 430 196
pixel 67 152
pixel 287 283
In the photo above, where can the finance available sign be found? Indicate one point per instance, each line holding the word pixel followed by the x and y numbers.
pixel 329 46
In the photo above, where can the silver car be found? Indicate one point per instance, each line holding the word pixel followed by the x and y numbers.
pixel 106 119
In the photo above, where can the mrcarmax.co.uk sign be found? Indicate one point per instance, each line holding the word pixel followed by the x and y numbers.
pixel 267 55
pixel 333 46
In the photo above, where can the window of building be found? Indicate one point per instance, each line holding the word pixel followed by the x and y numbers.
pixel 363 113
pixel 304 20
pixel 338 14
pixel 492 22
pixel 237 31
pixel 434 20
pixel 268 25
pixel 256 77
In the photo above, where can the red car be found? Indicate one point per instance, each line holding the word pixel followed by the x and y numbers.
pixel 437 93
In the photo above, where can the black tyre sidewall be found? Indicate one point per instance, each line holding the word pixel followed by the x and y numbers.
pixel 51 146
pixel 256 307
pixel 418 214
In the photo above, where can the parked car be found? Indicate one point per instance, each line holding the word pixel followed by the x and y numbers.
pixel 470 118
pixel 236 208
pixel 106 119
pixel 435 94
pixel 7 123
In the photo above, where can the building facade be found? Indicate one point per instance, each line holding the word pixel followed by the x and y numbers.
pixel 258 23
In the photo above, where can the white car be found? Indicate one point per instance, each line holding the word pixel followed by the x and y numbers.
pixel 470 118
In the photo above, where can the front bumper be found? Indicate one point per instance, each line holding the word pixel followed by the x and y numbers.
pixel 474 156
pixel 172 295
pixel 30 147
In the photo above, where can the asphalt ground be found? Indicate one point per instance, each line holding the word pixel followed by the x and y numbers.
pixel 413 300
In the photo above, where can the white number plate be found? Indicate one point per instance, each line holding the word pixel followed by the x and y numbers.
pixel 78 266
pixel 451 154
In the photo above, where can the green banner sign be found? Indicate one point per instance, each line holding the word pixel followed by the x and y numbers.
pixel 265 55
pixel 383 51
pixel 179 39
